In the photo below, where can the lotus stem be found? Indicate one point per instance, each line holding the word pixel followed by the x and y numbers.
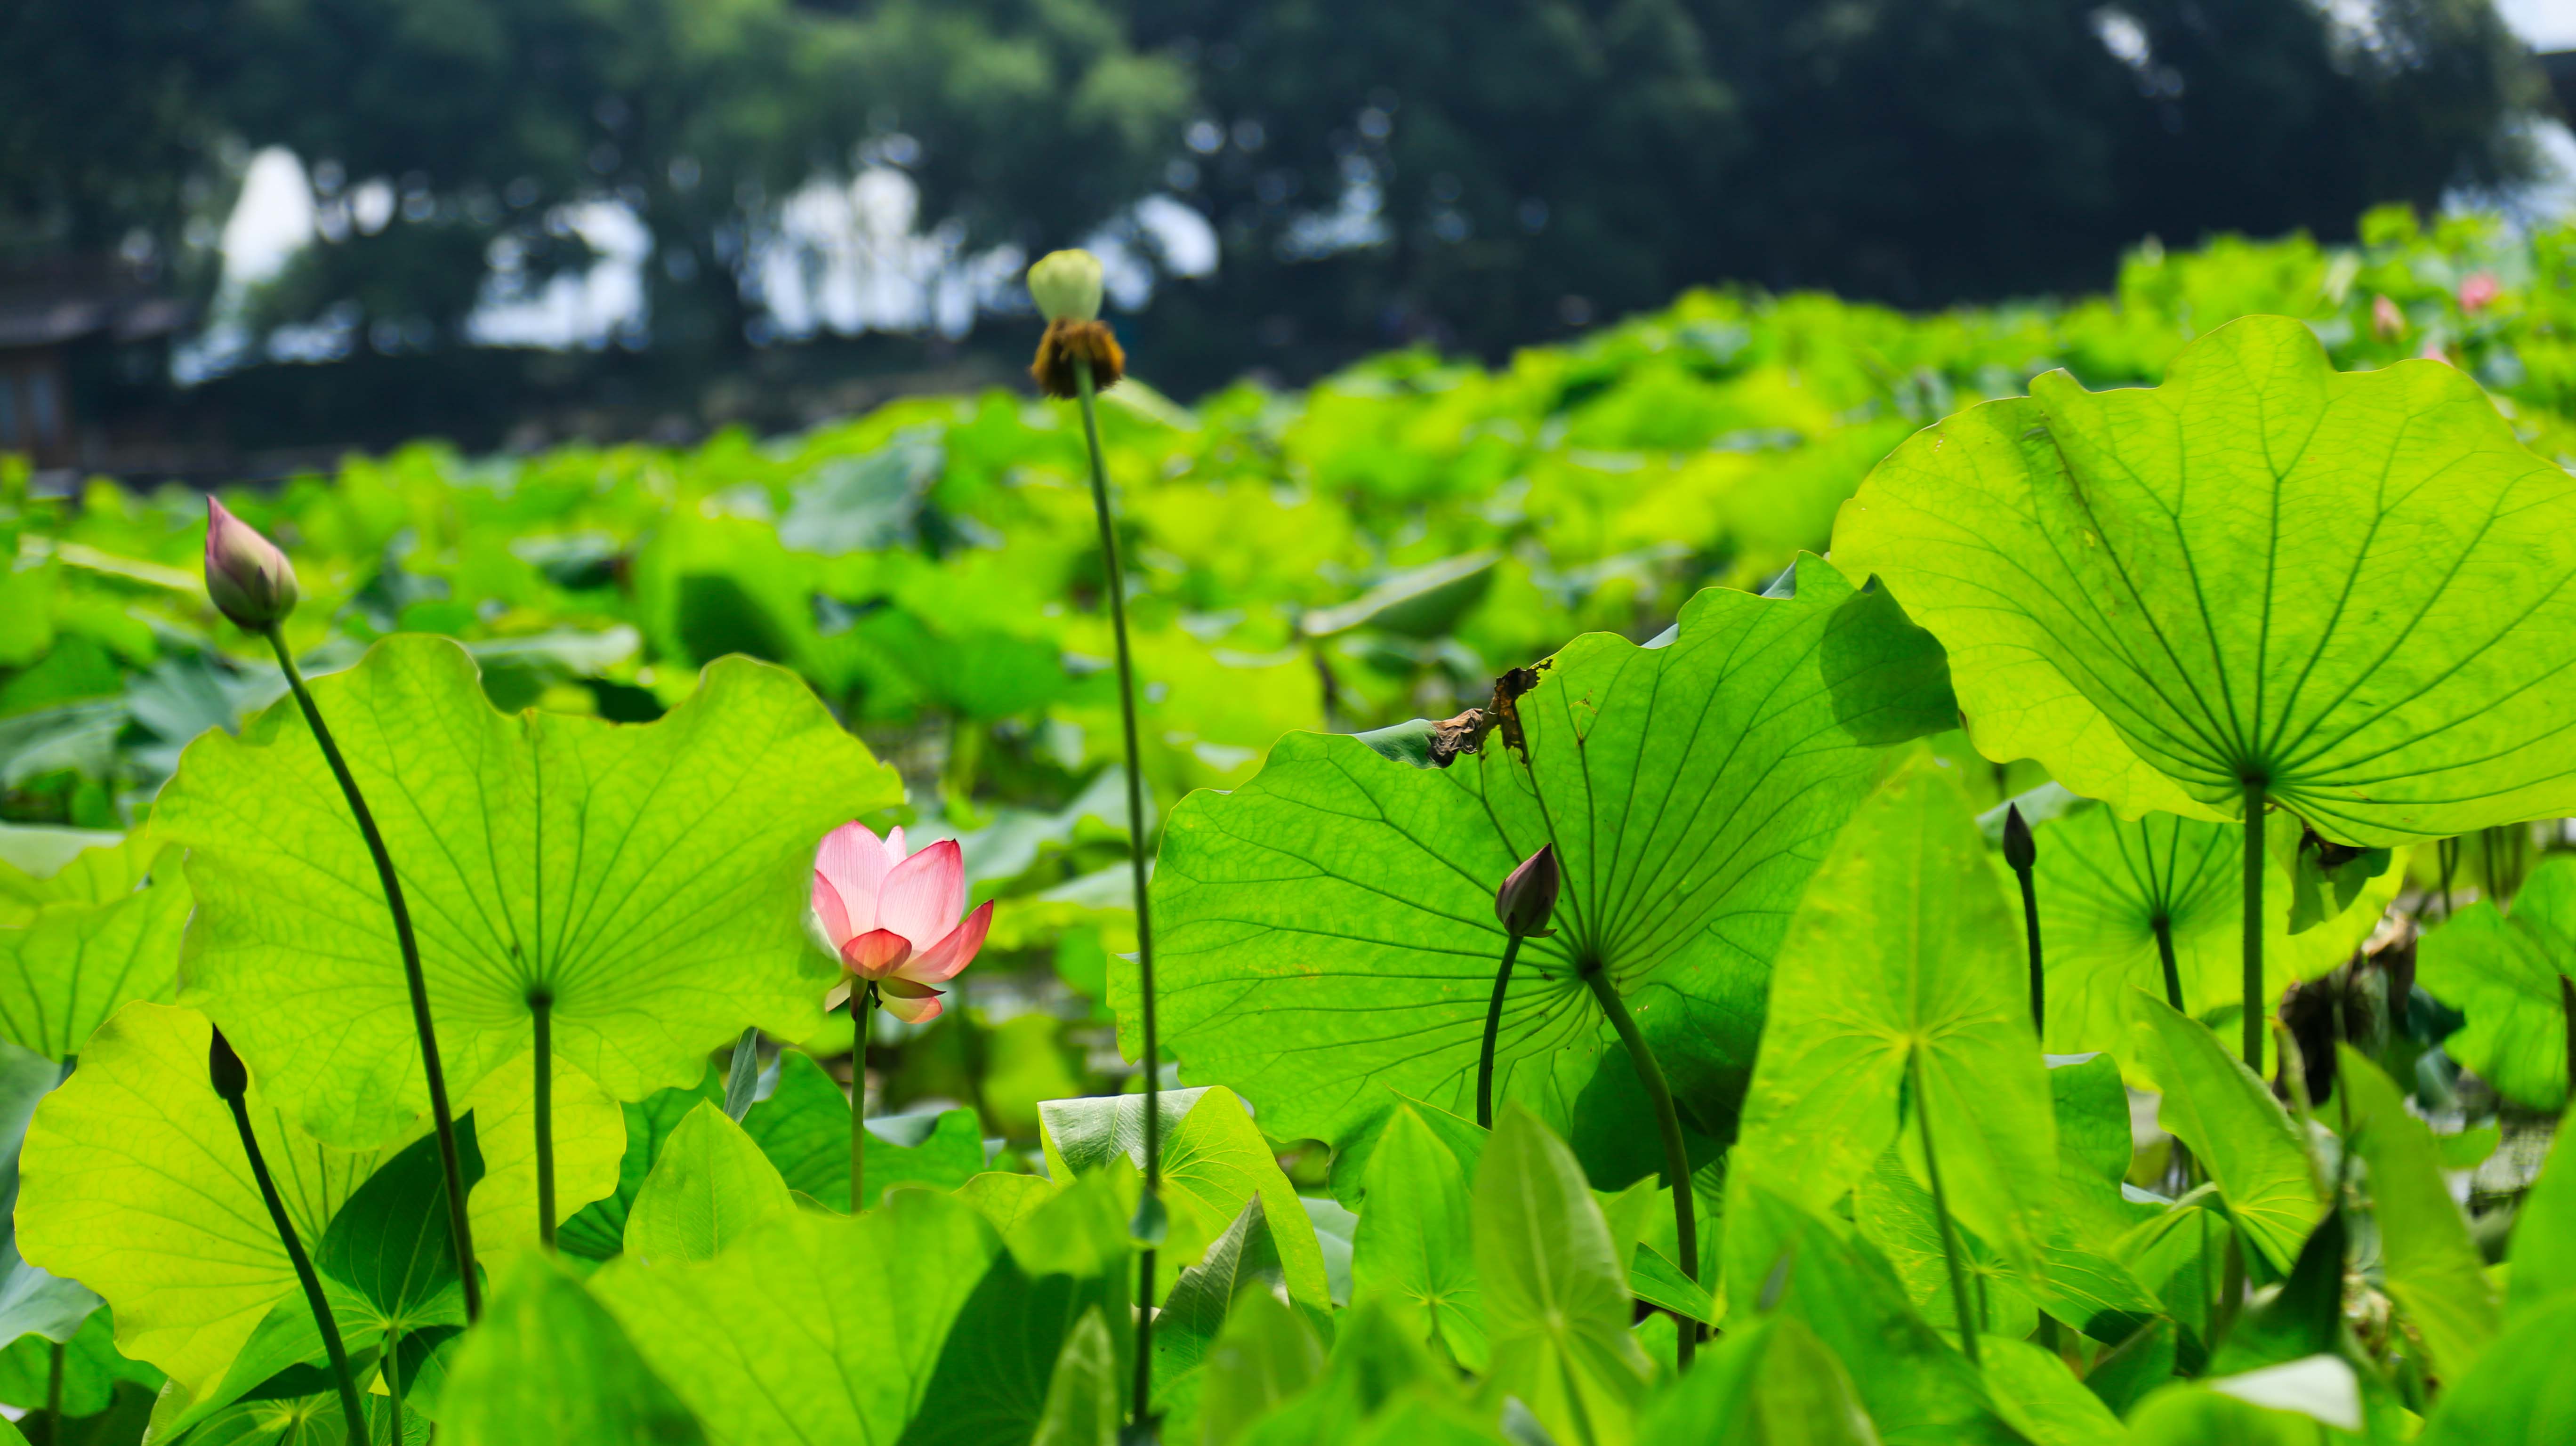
pixel 2173 971
pixel 863 1005
pixel 442 1115
pixel 1953 1252
pixel 1493 1027
pixel 54 1394
pixel 541 1004
pixel 2257 1003
pixel 233 1092
pixel 1151 1056
pixel 393 1383
pixel 1668 1122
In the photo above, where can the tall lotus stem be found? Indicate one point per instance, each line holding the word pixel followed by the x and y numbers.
pixel 1952 1250
pixel 2022 852
pixel 232 1083
pixel 252 583
pixel 1668 1122
pixel 1523 905
pixel 1078 356
pixel 541 1005
pixel 2257 1005
pixel 2165 955
pixel 863 1005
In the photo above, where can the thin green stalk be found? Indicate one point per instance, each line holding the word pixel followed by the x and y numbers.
pixel 1668 1122
pixel 863 1005
pixel 304 1273
pixel 2257 1003
pixel 54 1396
pixel 393 1384
pixel 442 1117
pixel 1151 1056
pixel 1953 1252
pixel 2173 971
pixel 542 1005
pixel 2030 930
pixel 1493 1027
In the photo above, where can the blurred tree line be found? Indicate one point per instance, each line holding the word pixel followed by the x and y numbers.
pixel 1475 173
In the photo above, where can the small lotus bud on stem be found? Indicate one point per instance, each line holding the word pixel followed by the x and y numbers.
pixel 1528 896
pixel 224 1069
pixel 249 579
pixel 2019 850
pixel 1066 287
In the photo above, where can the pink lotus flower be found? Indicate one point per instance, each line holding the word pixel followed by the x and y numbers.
pixel 248 579
pixel 2479 292
pixel 894 918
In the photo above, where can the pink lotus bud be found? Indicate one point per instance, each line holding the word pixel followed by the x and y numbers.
pixel 1528 897
pixel 895 918
pixel 249 580
pixel 2479 292
pixel 2386 319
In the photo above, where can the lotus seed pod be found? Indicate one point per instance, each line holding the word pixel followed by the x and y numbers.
pixel 248 578
pixel 1066 286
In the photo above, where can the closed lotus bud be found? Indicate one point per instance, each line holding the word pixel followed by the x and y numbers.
pixel 1528 897
pixel 1066 286
pixel 224 1068
pixel 249 579
pixel 2386 319
pixel 2019 850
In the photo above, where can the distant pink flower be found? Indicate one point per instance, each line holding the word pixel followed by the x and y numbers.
pixel 2386 319
pixel 894 918
pixel 2479 292
pixel 2433 352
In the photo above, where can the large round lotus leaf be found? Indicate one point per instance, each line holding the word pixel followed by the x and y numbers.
pixel 2357 589
pixel 1326 935
pixel 2511 974
pixel 135 1184
pixel 2104 882
pixel 651 877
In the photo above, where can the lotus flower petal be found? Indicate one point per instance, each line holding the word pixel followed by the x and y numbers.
pixel 941 961
pixel 876 953
pixel 912 1003
pixel 923 896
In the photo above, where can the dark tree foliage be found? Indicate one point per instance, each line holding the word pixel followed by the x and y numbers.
pixel 1543 162
pixel 1472 173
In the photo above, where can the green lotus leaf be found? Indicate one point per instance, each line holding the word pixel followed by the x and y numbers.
pixel 1554 1290
pixel 2104 882
pixel 709 1187
pixel 134 1183
pixel 2544 1238
pixel 1786 1262
pixel 549 1366
pixel 1326 935
pixel 83 941
pixel 2250 1146
pixel 2426 1257
pixel 649 878
pixel 1772 1381
pixel 2514 976
pixel 1903 989
pixel 838 1328
pixel 2352 589
pixel 2519 1393
pixel 1415 1245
